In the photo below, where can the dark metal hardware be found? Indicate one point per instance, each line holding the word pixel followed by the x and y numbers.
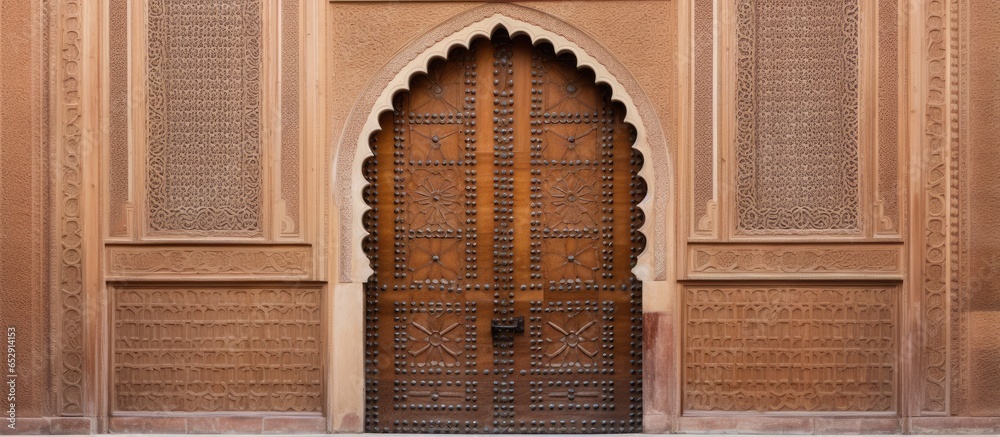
pixel 515 326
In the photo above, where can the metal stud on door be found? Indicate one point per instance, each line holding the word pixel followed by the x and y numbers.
pixel 503 299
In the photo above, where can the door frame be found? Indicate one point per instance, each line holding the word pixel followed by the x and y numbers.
pixel 345 307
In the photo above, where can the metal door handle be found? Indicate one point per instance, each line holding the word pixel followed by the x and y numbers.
pixel 497 326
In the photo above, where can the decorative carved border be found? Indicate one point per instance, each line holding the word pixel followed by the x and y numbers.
pixel 69 363
pixel 270 261
pixel 959 105
pixel 936 230
pixel 352 146
pixel 118 107
pixel 68 320
pixel 704 207
pixel 290 122
pixel 840 261
pixel 891 83
pixel 961 277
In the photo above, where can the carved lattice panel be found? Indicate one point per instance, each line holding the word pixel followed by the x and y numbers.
pixel 216 349
pixel 204 171
pixel 784 349
pixel 529 211
pixel 797 158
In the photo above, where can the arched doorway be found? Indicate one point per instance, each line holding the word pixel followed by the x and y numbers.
pixel 503 229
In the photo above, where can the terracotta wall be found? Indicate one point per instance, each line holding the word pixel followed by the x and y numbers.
pixel 24 209
pixel 981 256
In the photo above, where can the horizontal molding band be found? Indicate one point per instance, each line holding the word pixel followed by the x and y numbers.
pixel 882 262
pixel 124 262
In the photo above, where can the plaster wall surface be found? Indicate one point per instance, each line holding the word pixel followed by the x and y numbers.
pixel 984 214
pixel 24 165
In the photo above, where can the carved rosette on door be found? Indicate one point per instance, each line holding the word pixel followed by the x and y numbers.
pixel 503 226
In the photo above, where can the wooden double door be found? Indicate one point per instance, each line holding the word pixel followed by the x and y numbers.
pixel 503 228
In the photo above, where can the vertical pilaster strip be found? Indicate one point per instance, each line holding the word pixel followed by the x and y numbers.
pixel 290 116
pixel 889 79
pixel 702 170
pixel 954 199
pixel 118 107
pixel 934 275
pixel 93 95
pixel 70 381
pixel 961 245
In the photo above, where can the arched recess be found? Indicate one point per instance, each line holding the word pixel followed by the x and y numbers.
pixel 352 146
pixel 346 373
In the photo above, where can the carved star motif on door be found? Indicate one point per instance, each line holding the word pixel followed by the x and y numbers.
pixel 436 200
pixel 573 341
pixel 435 258
pixel 439 91
pixel 567 87
pixel 435 142
pixel 571 142
pixel 434 341
pixel 571 258
pixel 573 198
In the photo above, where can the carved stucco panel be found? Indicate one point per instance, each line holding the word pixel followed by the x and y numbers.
pixel 845 260
pixel 173 261
pixel 797 110
pixel 204 158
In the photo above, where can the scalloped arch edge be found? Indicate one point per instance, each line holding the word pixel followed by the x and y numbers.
pixel 355 269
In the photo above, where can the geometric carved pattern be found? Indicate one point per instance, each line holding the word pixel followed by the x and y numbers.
pixel 216 349
pixel 572 156
pixel 776 349
pixel 571 259
pixel 797 111
pixel 529 211
pixel 434 335
pixel 204 119
pixel 755 259
pixel 576 201
pixel 70 375
pixel 576 339
pixel 573 337
pixel 438 200
pixel 434 259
